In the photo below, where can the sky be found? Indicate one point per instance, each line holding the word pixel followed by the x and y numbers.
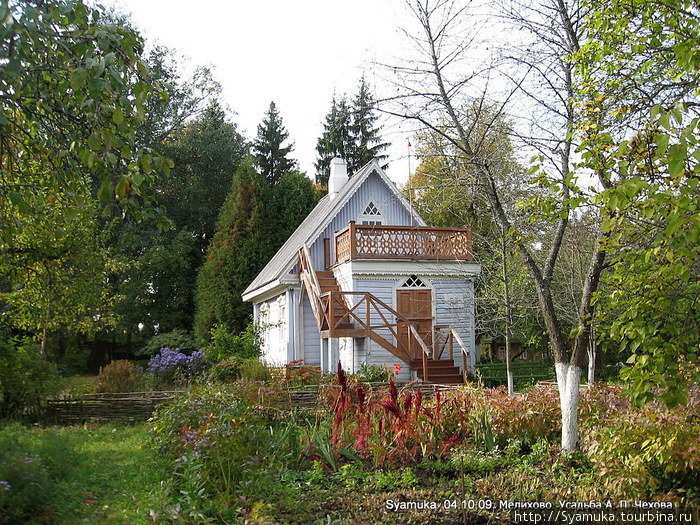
pixel 297 53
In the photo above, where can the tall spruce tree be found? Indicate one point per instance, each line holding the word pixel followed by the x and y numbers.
pixel 271 156
pixel 366 133
pixel 337 139
pixel 255 221
pixel 240 248
pixel 350 131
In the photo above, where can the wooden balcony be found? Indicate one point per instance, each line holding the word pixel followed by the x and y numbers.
pixel 402 242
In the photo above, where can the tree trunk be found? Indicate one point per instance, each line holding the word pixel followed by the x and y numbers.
pixel 506 296
pixel 569 381
pixel 591 359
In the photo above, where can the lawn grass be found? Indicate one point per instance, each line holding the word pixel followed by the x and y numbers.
pixel 98 474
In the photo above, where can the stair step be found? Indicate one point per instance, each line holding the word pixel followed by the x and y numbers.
pixel 433 364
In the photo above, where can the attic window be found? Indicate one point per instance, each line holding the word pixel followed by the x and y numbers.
pixel 371 216
pixel 371 209
pixel 413 282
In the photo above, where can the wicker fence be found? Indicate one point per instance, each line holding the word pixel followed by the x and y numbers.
pixel 131 406
pixel 139 406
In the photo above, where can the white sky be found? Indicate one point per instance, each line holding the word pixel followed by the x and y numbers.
pixel 296 53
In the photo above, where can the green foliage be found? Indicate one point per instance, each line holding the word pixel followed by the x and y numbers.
pixel 367 134
pixel 336 139
pixel 403 478
pixel 271 157
pixel 227 370
pixel 648 450
pixel 350 131
pixel 120 376
pixel 255 221
pixel 483 431
pixel 26 378
pixel 180 339
pixel 645 150
pixel 291 201
pixel 255 370
pixel 240 248
pixel 23 475
pixel 477 462
pixel 225 448
pixel 224 344
pixel 159 281
pixel 369 373
pixel 93 84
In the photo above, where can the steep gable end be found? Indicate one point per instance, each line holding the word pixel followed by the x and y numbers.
pixel 322 221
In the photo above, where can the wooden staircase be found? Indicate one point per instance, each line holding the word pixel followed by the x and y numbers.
pixel 442 371
pixel 328 283
pixel 362 314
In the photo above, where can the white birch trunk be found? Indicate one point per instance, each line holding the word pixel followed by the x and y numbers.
pixel 569 381
pixel 591 360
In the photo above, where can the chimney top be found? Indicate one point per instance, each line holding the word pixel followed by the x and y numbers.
pixel 338 176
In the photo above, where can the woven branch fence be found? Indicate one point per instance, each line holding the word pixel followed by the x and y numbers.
pixel 127 406
pixel 139 406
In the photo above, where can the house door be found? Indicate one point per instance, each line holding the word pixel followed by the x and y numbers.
pixel 415 304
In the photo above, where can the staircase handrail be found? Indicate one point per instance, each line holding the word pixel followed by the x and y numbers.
pixel 308 276
pixel 426 351
pixel 463 348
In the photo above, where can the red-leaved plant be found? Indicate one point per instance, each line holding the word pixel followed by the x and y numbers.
pixel 388 427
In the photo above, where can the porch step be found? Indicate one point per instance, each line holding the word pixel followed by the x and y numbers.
pixel 442 372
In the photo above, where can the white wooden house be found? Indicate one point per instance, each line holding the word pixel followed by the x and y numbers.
pixel 364 280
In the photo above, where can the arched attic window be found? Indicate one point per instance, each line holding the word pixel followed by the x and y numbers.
pixel 371 215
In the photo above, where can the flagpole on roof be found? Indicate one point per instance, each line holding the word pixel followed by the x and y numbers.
pixel 410 190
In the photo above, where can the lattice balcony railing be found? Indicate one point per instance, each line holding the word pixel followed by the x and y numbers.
pixel 402 242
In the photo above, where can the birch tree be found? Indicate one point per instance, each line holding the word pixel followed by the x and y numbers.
pixel 436 90
pixel 653 67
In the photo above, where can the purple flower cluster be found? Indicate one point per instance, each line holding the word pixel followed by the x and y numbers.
pixel 5 485
pixel 172 364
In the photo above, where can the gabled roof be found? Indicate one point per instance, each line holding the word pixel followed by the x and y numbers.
pixel 308 231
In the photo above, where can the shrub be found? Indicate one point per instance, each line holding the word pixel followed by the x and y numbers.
pixel 172 367
pixel 255 370
pixel 227 370
pixel 180 339
pixel 299 374
pixel 641 451
pixel 373 373
pixel 26 378
pixel 120 376
pixel 23 475
pixel 225 344
pixel 225 446
pixel 534 415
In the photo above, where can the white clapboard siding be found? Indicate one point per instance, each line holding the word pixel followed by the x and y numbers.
pixel 454 304
pixel 311 340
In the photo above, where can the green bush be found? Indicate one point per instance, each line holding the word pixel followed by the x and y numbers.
pixel 648 449
pixel 177 339
pixel 373 374
pixel 255 370
pixel 26 378
pixel 23 475
pixel 120 376
pixel 227 370
pixel 225 344
pixel 225 447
